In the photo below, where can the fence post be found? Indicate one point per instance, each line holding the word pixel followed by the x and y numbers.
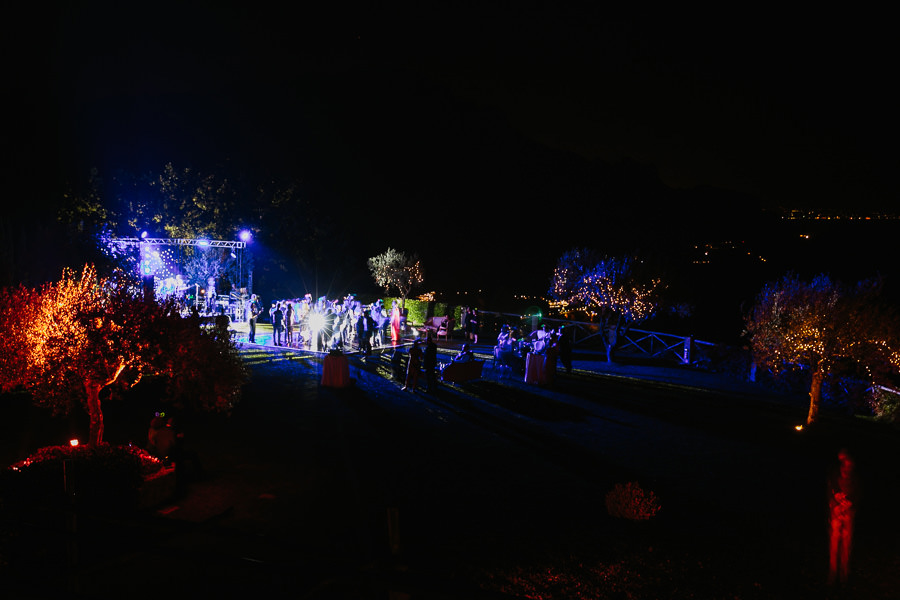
pixel 687 350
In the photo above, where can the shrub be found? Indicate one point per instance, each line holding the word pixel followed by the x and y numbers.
pixel 102 477
pixel 885 404
pixel 630 501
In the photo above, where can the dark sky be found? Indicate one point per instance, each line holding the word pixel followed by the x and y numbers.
pixel 409 108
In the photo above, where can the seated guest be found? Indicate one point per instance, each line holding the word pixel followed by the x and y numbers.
pixel 541 339
pixel 465 354
pixel 505 340
pixel 504 348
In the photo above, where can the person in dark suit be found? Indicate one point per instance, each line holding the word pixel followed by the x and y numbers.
pixel 429 363
pixel 277 323
pixel 365 327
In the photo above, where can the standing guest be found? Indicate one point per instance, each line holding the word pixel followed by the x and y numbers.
pixel 289 324
pixel 395 322
pixel 222 321
pixel 429 362
pixel 385 329
pixel 365 326
pixel 397 363
pixel 328 329
pixel 473 324
pixel 161 438
pixel 255 307
pixel 413 366
pixel 277 324
pixel 210 295
pixel 336 326
pixel 377 315
pixel 565 348
pixel 467 329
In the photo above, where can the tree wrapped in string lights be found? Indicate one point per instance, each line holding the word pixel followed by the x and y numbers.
pixel 615 290
pixel 819 325
pixel 70 340
pixel 395 269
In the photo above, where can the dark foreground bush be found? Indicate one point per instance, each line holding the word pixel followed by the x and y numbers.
pixel 91 478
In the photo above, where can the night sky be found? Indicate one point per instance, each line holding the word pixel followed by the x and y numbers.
pixel 469 136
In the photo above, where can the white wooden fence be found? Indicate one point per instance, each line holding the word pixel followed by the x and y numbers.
pixel 653 344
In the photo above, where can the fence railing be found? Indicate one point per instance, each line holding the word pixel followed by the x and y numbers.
pixel 653 344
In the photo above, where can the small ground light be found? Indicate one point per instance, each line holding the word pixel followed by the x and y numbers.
pixel 798 427
pixel 73 442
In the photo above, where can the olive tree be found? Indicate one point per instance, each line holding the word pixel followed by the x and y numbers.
pixel 617 290
pixel 67 341
pixel 395 269
pixel 819 324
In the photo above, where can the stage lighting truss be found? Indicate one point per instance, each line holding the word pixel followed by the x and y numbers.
pixel 179 242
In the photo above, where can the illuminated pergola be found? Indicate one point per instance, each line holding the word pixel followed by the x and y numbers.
pixel 145 242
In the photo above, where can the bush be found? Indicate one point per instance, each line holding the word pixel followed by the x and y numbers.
pixel 416 309
pixel 885 405
pixel 630 501
pixel 101 478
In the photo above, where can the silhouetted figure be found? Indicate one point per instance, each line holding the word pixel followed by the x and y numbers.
pixel 565 348
pixel 413 366
pixel 289 324
pixel 277 324
pixel 365 328
pixel 842 499
pixel 255 308
pixel 429 363
pixel 222 321
pixel 397 364
pixel 161 438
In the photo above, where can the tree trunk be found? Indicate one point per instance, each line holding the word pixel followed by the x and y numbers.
pixel 815 395
pixel 96 414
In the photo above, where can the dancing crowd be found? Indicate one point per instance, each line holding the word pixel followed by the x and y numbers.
pixel 324 325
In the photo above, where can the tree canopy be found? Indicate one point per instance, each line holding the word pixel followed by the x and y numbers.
pixel 293 225
pixel 818 325
pixel 396 269
pixel 617 290
pixel 68 340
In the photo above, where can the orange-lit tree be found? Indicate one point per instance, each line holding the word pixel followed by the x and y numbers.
pixel 616 290
pixel 818 325
pixel 68 341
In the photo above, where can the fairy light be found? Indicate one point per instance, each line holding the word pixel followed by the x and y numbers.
pixel 607 287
